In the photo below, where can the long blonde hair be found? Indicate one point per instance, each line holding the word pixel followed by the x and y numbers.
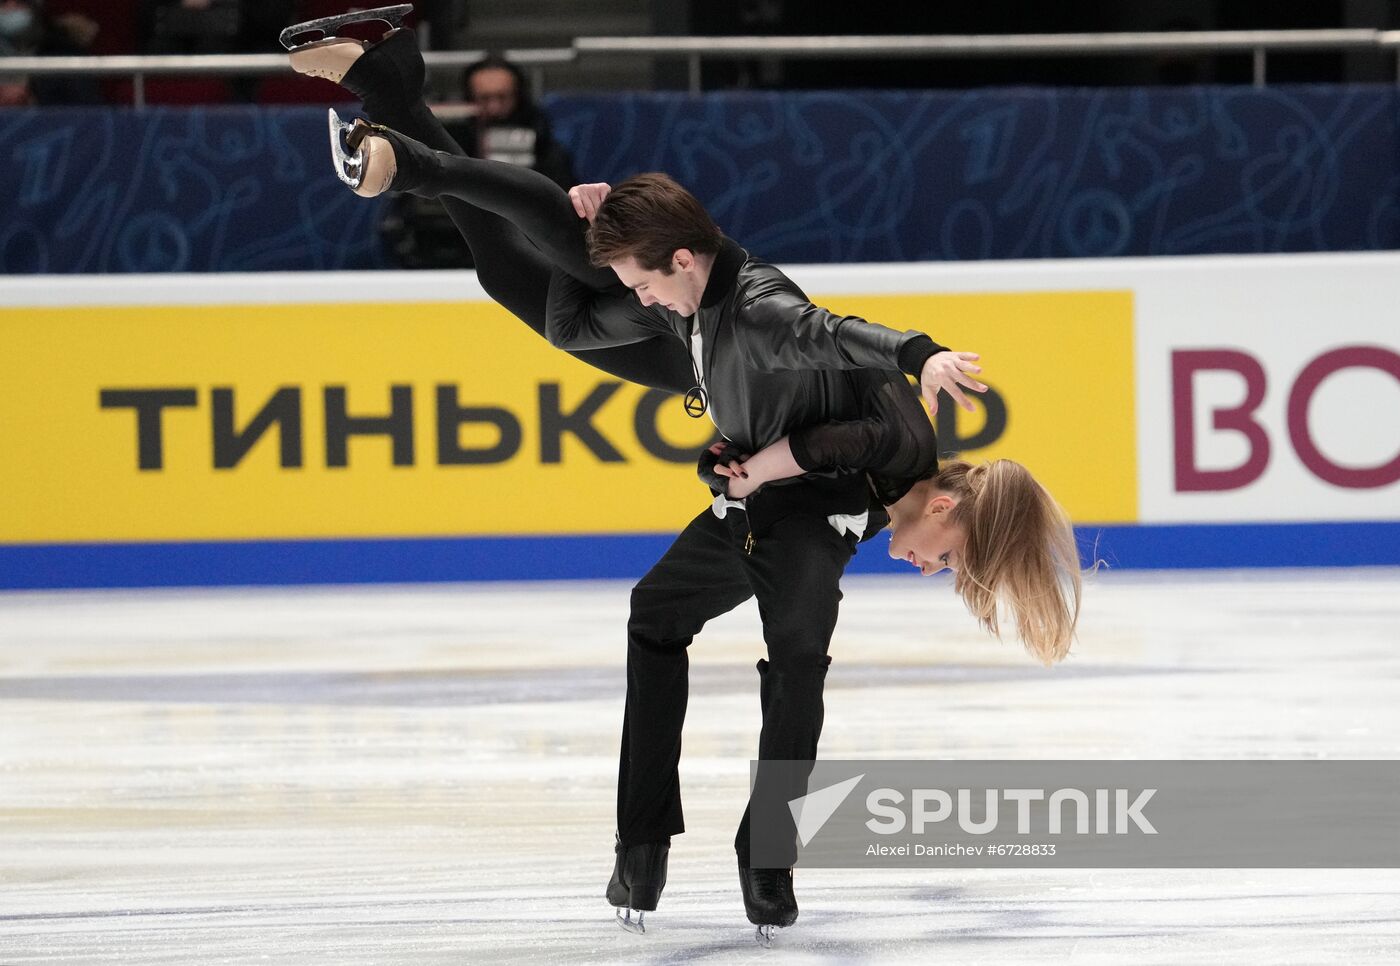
pixel 1020 553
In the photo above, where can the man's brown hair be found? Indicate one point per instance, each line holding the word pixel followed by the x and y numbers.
pixel 649 217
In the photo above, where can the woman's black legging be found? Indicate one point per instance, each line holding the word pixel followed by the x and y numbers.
pixel 519 226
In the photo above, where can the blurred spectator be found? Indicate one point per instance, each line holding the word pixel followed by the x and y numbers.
pixel 500 121
pixel 261 21
pixel 190 26
pixel 26 31
pixel 210 27
pixel 508 126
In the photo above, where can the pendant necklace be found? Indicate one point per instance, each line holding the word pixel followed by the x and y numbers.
pixel 697 401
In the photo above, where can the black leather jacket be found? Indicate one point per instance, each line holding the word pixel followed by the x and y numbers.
pixel 893 442
pixel 771 362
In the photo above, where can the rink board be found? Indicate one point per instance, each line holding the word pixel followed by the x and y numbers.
pixel 164 430
pixel 610 556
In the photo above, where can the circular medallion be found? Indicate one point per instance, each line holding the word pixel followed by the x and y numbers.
pixel 695 403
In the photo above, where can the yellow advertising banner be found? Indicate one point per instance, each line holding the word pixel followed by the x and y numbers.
pixel 217 422
pixel 1060 367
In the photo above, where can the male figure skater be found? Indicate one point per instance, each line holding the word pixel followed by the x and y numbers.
pixel 766 362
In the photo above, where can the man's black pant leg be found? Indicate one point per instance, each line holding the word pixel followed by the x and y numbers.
pixel 700 577
pixel 795 571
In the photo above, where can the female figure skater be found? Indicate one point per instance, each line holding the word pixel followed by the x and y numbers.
pixel 957 518
pixel 1006 539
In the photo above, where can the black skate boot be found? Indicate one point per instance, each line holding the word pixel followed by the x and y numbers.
pixel 768 900
pixel 639 875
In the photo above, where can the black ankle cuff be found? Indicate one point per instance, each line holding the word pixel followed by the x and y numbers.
pixel 397 113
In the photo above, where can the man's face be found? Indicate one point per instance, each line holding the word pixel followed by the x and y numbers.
pixel 679 291
pixel 494 92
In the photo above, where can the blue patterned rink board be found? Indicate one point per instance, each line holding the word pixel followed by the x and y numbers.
pixel 795 177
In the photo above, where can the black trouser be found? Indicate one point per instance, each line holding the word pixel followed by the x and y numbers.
pixel 794 571
pixel 519 226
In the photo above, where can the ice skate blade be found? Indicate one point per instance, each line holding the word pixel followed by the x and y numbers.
pixel 349 162
pixel 765 935
pixel 636 926
pixel 327 26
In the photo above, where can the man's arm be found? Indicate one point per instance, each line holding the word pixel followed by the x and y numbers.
pixel 780 329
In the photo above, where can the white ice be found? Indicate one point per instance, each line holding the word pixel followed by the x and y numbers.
pixel 425 774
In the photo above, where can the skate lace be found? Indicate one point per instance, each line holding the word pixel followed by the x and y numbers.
pixel 768 883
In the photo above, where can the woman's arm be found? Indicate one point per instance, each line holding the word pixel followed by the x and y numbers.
pixel 895 438
pixel 854 444
pixel 773 462
pixel 585 316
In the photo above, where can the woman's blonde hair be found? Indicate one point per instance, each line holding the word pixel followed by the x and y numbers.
pixel 1020 553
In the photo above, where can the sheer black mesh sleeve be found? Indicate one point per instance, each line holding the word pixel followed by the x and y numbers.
pixel 894 442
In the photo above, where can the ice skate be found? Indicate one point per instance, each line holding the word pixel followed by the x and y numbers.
pixel 373 159
pixel 326 27
pixel 390 67
pixel 363 162
pixel 639 875
pixel 768 900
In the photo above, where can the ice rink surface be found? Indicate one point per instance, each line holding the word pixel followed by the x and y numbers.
pixel 425 774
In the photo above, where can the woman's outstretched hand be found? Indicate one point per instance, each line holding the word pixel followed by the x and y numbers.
pixel 588 198
pixel 951 372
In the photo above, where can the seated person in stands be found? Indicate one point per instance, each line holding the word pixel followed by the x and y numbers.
pixel 26 30
pixel 500 121
pixel 508 126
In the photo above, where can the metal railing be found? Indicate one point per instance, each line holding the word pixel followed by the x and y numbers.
pixel 1257 42
pixel 1391 39
pixel 139 67
pixel 695 50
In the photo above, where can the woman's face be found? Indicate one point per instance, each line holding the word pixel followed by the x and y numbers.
pixel 924 536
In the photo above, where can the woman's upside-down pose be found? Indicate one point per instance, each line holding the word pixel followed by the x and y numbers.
pixel 518 224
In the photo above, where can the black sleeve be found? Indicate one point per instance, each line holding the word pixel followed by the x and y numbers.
pixel 854 444
pixel 894 438
pixel 580 317
pixel 915 352
pixel 779 329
